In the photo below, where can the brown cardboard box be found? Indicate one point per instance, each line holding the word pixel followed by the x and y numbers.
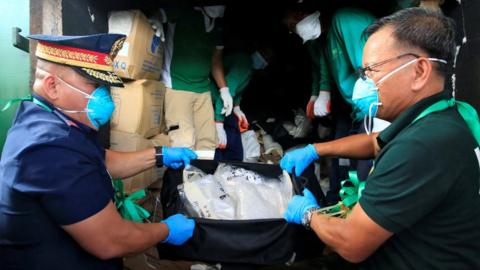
pixel 141 56
pixel 130 142
pixel 138 107
pixel 161 139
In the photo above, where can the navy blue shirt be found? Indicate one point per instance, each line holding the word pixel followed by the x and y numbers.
pixel 52 173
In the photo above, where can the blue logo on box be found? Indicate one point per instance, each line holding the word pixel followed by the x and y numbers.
pixel 155 43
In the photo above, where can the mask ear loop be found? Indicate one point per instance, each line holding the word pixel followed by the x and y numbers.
pixel 368 120
pixel 88 96
pixel 73 111
pixel 369 127
pixel 397 70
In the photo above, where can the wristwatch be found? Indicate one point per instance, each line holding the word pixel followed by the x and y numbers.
pixel 159 156
pixel 307 217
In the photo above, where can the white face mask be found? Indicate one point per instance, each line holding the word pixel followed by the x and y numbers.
pixel 210 13
pixel 214 11
pixel 309 28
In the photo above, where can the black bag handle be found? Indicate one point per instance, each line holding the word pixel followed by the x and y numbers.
pixel 298 182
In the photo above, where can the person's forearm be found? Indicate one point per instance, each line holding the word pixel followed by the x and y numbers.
pixel 341 236
pixel 359 146
pixel 217 69
pixel 126 164
pixel 331 230
pixel 355 238
pixel 136 237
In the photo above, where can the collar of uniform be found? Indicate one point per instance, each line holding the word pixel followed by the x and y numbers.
pixel 67 119
pixel 406 117
pixel 43 100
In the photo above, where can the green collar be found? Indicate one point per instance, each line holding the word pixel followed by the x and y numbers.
pixel 41 104
pixel 407 117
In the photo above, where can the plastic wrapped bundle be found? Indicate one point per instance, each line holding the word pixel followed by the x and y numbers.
pixel 234 193
pixel 256 196
pixel 205 197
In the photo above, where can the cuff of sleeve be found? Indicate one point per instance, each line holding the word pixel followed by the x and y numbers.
pixel 378 218
pixel 219 118
pixel 159 156
pixel 325 85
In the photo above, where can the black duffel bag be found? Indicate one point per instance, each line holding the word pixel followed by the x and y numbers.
pixel 252 242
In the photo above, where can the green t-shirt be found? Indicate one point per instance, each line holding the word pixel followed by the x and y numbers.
pixel 189 50
pixel 344 49
pixel 238 71
pixel 321 79
pixel 425 188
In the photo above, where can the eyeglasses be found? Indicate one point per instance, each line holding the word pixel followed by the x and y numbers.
pixel 363 70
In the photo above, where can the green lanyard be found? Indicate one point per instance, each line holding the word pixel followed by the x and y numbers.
pixel 41 104
pixel 466 111
pixel 11 102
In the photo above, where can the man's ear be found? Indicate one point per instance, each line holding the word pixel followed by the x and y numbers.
pixel 423 70
pixel 49 87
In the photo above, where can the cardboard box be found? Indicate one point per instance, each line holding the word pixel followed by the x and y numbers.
pixel 141 56
pixel 130 142
pixel 160 139
pixel 138 107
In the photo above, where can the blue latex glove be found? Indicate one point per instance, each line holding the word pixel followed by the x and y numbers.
pixel 299 159
pixel 298 205
pixel 175 157
pixel 180 229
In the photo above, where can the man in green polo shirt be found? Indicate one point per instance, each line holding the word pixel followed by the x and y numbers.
pixel 193 49
pixel 420 208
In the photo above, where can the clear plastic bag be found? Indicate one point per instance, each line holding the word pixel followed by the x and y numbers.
pixel 251 147
pixel 234 193
pixel 204 196
pixel 257 196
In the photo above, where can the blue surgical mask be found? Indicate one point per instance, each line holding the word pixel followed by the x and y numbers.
pixel 100 105
pixel 258 62
pixel 365 94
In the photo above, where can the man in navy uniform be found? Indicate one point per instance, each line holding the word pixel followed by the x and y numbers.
pixel 56 209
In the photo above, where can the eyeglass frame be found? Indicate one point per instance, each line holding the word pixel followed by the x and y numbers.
pixel 361 71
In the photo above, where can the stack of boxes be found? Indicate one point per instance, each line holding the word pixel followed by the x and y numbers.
pixel 137 121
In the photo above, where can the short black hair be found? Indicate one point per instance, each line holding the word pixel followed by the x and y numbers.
pixel 428 30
